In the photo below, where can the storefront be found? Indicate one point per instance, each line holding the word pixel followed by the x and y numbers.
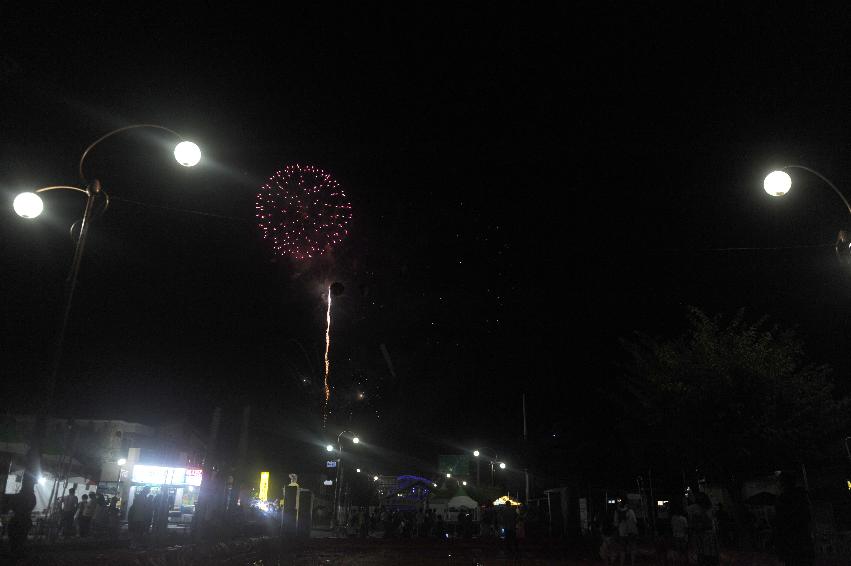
pixel 180 486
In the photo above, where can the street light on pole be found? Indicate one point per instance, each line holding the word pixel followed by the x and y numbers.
pixel 492 460
pixel 340 474
pixel 30 205
pixel 778 183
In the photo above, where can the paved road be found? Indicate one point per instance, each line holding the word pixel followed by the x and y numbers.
pixel 343 552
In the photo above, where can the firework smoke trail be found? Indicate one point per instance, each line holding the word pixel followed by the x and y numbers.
pixel 327 363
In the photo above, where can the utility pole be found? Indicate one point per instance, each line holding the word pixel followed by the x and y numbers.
pixel 526 443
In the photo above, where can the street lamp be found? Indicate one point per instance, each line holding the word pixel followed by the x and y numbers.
pixel 340 474
pixel 502 465
pixel 30 205
pixel 778 183
pixel 477 453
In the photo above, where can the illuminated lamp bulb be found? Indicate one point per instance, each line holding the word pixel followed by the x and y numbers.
pixel 187 153
pixel 28 205
pixel 777 183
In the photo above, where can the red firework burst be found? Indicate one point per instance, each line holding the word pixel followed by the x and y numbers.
pixel 302 211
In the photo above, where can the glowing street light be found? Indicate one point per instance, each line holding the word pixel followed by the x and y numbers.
pixel 448 476
pixel 28 205
pixel 374 478
pixel 502 465
pixel 358 470
pixel 187 153
pixel 777 183
pixel 329 447
pixel 492 460
pixel 340 472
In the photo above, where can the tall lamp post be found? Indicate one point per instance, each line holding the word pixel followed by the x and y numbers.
pixel 339 474
pixel 30 205
pixel 493 460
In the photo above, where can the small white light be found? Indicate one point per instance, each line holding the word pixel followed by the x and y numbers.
pixel 122 461
pixel 777 183
pixel 465 483
pixel 356 440
pixel 434 484
pixel 476 453
pixel 191 489
pixel 187 153
pixel 329 448
pixel 358 470
pixel 448 475
pixel 42 480
pixel 28 205
pixel 502 465
pixel 374 478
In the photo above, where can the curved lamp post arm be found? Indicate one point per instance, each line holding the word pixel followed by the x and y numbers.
pixel 112 133
pixel 86 192
pixel 66 187
pixel 823 178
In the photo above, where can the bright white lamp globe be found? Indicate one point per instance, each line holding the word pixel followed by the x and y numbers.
pixel 187 153
pixel 777 183
pixel 28 205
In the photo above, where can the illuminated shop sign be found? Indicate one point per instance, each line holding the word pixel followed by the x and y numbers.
pixel 166 476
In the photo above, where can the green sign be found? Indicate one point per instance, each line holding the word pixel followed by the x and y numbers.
pixel 454 464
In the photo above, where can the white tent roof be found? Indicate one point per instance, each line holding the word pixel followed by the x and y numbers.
pixel 462 501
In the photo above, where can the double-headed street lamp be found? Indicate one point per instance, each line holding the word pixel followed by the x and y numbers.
pixel 30 205
pixel 493 460
pixel 337 488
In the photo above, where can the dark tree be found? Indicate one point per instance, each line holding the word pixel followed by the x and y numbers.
pixel 731 398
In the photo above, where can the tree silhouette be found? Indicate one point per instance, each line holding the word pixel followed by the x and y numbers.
pixel 731 398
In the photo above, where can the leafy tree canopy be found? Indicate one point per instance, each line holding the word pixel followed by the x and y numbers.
pixel 731 396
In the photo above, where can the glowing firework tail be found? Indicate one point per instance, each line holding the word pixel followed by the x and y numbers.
pixel 327 362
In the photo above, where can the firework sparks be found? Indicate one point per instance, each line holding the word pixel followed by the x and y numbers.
pixel 302 212
pixel 327 361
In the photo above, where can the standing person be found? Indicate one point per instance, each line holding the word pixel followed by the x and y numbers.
pixel 440 528
pixel 84 500
pixel 149 513
pixel 136 516
pixel 679 535
pixel 793 524
pixel 100 519
pixel 86 514
pixel 420 521
pixel 627 526
pixel 69 508
pixel 703 526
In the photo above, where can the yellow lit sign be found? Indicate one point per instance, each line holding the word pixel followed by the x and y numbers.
pixel 264 485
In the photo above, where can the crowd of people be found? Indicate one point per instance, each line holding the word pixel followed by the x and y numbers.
pixel 427 523
pixel 93 514
pixel 696 531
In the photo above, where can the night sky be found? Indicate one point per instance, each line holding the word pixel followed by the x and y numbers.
pixel 528 186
